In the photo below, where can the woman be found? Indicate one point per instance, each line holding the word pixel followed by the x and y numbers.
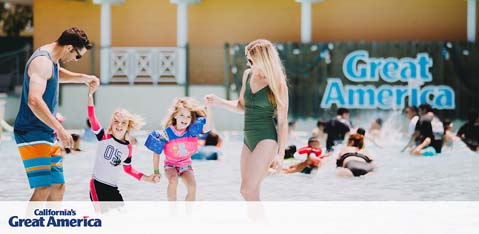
pixel 264 91
pixel 352 161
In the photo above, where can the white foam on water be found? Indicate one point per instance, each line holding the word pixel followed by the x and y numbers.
pixel 451 176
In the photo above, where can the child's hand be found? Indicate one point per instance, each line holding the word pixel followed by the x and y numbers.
pixel 327 155
pixel 92 87
pixel 91 81
pixel 277 164
pixel 154 178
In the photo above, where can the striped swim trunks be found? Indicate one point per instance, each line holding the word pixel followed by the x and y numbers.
pixel 41 157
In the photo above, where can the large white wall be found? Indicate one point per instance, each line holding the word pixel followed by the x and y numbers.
pixel 151 102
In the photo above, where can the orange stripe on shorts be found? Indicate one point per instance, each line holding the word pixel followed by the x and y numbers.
pixel 39 151
pixel 37 168
pixel 56 150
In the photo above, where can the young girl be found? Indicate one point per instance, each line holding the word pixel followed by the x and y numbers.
pixel 178 141
pixel 313 160
pixel 113 150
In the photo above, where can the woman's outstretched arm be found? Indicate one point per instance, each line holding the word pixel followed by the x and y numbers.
pixel 231 105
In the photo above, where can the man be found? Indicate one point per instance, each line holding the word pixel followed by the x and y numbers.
pixel 469 132
pixel 336 129
pixel 429 131
pixel 35 125
pixel 413 116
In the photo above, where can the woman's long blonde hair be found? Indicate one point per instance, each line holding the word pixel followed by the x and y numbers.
pixel 180 103
pixel 265 57
pixel 135 122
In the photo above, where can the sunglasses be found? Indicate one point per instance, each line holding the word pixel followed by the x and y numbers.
pixel 250 62
pixel 78 53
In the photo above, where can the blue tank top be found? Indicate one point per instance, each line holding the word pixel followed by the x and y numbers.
pixel 27 121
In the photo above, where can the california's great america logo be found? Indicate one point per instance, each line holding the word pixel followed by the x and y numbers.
pixel 54 218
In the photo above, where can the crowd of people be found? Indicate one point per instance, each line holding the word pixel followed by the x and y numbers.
pixel 427 135
pixel 352 159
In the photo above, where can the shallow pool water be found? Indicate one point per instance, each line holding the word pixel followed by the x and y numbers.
pixel 451 176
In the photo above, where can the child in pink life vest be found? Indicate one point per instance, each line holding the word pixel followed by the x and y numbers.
pixel 179 141
pixel 114 150
pixel 313 160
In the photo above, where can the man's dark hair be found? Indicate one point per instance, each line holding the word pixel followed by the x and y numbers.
pixel 472 116
pixel 413 109
pixel 289 151
pixel 342 111
pixel 320 123
pixel 425 108
pixel 379 121
pixel 75 37
pixel 361 131
pixel 212 139
pixel 446 123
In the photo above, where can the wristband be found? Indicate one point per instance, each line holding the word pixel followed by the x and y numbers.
pixel 156 171
pixel 90 95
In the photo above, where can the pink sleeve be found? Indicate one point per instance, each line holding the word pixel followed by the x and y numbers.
pixel 128 168
pixel 95 125
pixel 131 171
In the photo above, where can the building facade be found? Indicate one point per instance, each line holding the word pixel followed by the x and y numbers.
pixel 212 23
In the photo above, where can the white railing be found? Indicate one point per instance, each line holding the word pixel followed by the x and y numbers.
pixel 143 64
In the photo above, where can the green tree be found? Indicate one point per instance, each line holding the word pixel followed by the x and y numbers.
pixel 15 18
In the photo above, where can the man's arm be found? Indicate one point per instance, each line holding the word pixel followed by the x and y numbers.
pixel 67 76
pixel 40 71
pixel 411 140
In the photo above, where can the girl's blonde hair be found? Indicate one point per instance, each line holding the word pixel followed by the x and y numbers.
pixel 266 58
pixel 135 122
pixel 180 103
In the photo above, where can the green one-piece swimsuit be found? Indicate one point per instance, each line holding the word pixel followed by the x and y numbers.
pixel 258 116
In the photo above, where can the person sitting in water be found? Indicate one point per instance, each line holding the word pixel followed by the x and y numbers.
pixel 413 116
pixel 289 152
pixel 211 149
pixel 429 132
pixel 361 131
pixel 313 159
pixel 76 145
pixel 319 130
pixel 292 135
pixel 352 160
pixel 412 113
pixel 292 140
pixel 375 128
pixel 374 132
pixel 449 137
pixel 76 138
pixel 469 132
pixel 88 134
pixel 3 124
pixel 337 128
